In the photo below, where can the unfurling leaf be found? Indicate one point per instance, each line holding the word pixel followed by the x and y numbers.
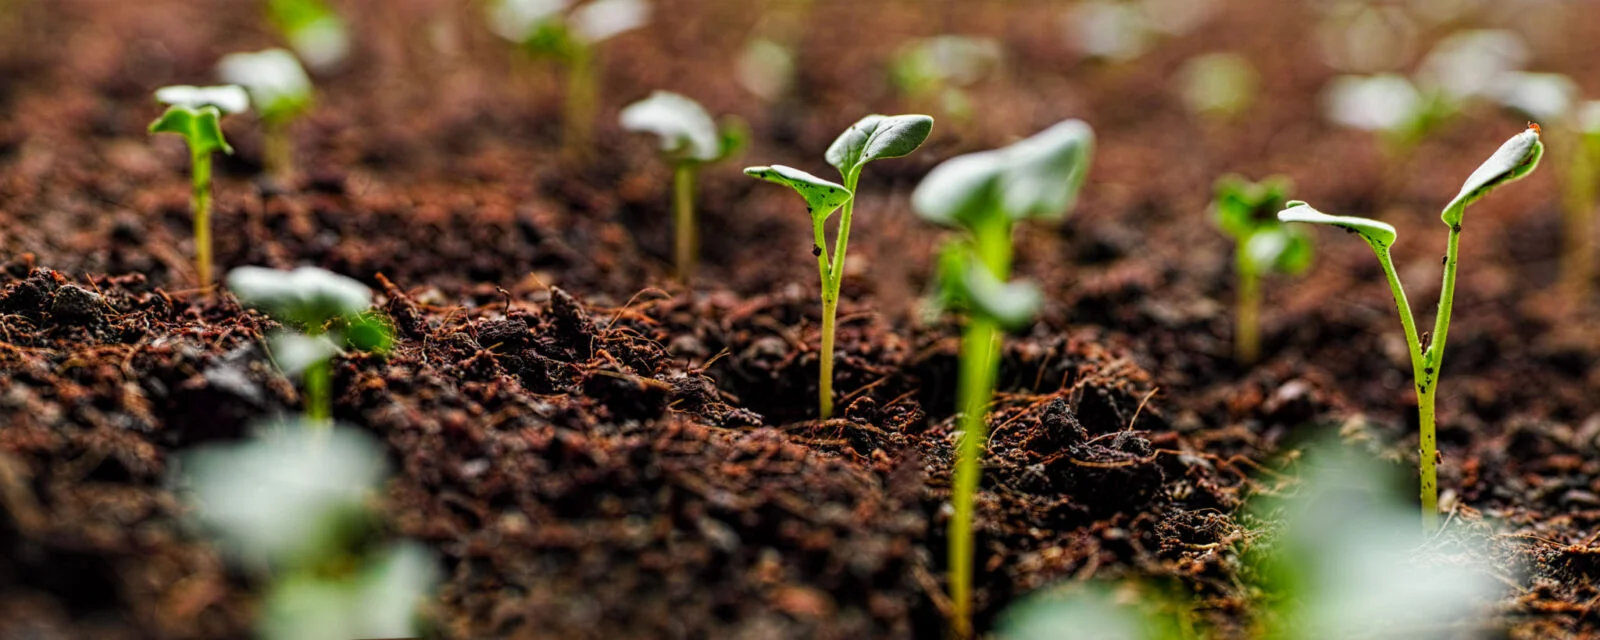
pixel 822 197
pixel 876 137
pixel 1378 234
pixel 1516 158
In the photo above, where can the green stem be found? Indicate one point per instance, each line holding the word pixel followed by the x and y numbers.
pixel 683 220
pixel 1247 313
pixel 582 96
pixel 1428 385
pixel 980 363
pixel 830 306
pixel 319 393
pixel 277 153
pixel 201 179
pixel 1577 259
pixel 1422 374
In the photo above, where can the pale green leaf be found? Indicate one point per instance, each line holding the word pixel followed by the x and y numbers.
pixel 961 190
pixel 876 137
pixel 686 130
pixel 822 197
pixel 277 84
pixel 1516 158
pixel 201 127
pixel 1043 173
pixel 1378 234
pixel 1012 304
pixel 306 296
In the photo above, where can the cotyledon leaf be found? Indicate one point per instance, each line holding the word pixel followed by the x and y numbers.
pixel 822 197
pixel 875 137
pixel 685 129
pixel 202 127
pixel 1516 158
pixel 1378 234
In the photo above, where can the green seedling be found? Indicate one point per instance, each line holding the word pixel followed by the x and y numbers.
pixel 1219 85
pixel 281 92
pixel 1515 159
pixel 196 114
pixel 874 137
pixel 313 30
pixel 938 70
pixel 570 35
pixel 293 505
pixel 984 195
pixel 328 310
pixel 689 139
pixel 1246 212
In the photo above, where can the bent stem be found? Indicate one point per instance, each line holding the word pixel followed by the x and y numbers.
pixel 1422 373
pixel 979 368
pixel 683 220
pixel 1247 312
pixel 832 267
pixel 200 175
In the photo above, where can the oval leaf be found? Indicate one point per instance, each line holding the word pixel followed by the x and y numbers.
pixel 1011 304
pixel 201 127
pixel 686 130
pixel 1043 173
pixel 960 190
pixel 277 84
pixel 1379 235
pixel 307 295
pixel 875 137
pixel 1516 158
pixel 822 197
pixel 296 352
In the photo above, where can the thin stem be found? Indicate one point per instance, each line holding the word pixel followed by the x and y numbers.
pixel 683 220
pixel 830 306
pixel 842 242
pixel 582 97
pixel 1577 258
pixel 277 152
pixel 1422 374
pixel 1247 312
pixel 319 393
pixel 979 368
pixel 200 171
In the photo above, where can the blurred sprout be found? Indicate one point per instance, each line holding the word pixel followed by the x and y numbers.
pixel 1246 213
pixel 1092 611
pixel 1356 37
pixel 329 308
pixel 281 92
pixel 196 114
pixel 766 68
pixel 1384 102
pixel 1110 30
pixel 1177 17
pixel 1550 98
pixel 984 195
pixel 1470 64
pixel 553 29
pixel 1219 84
pixel 295 503
pixel 942 66
pixel 313 30
pixel 689 139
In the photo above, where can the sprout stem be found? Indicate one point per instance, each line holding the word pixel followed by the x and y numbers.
pixel 319 396
pixel 683 220
pixel 277 154
pixel 832 282
pixel 200 175
pixel 979 368
pixel 1247 313
pixel 1423 374
pixel 583 91
pixel 1577 257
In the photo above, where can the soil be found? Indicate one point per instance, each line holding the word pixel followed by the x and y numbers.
pixel 595 451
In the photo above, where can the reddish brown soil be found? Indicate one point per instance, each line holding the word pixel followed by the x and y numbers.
pixel 595 452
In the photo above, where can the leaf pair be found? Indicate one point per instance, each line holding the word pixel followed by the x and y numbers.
pixel 1246 211
pixel 196 114
pixel 1036 178
pixel 874 137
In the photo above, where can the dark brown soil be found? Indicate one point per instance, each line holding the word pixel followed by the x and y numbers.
pixel 596 452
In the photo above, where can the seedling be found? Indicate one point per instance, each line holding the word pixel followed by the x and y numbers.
pixel 1244 211
pixel 196 113
pixel 1515 159
pixel 313 30
pixel 874 137
pixel 938 70
pixel 313 301
pixel 549 29
pixel 688 139
pixel 281 92
pixel 984 195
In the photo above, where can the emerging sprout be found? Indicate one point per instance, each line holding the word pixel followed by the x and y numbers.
pixel 984 195
pixel 1221 85
pixel 942 67
pixel 281 92
pixel 1245 212
pixel 1515 159
pixel 196 114
pixel 688 139
pixel 313 29
pixel 872 138
pixel 292 503
pixel 310 299
pixel 549 28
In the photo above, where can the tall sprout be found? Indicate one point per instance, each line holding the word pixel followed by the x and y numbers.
pixel 196 114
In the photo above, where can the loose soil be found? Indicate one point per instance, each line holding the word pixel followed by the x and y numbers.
pixel 595 451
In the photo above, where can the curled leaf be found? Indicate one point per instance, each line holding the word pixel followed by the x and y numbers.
pixel 1516 158
pixel 875 137
pixel 822 197
pixel 1378 234
pixel 201 127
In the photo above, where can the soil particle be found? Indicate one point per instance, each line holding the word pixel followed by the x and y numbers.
pixel 75 305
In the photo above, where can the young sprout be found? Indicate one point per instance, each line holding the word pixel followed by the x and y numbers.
pixel 196 113
pixel 1246 212
pixel 281 92
pixel 984 195
pixel 309 299
pixel 688 139
pixel 313 30
pixel 1219 85
pixel 942 67
pixel 549 28
pixel 1515 159
pixel 874 137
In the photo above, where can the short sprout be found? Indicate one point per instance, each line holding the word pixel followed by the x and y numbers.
pixel 306 296
pixel 196 114
pixel 278 86
pixel 1246 213
pixel 685 129
pixel 313 30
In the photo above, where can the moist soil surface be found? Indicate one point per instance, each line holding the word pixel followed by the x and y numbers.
pixel 596 451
